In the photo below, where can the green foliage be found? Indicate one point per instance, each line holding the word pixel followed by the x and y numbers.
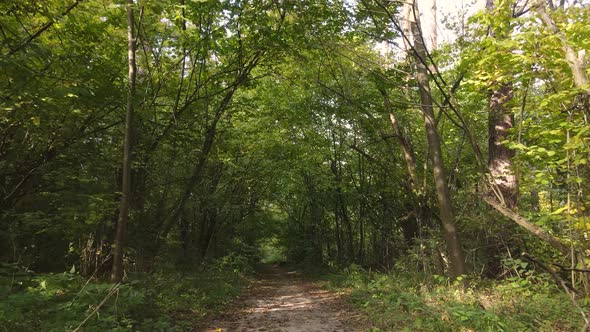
pixel 272 252
pixel 161 301
pixel 396 302
pixel 262 133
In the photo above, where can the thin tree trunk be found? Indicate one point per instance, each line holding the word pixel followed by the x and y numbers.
pixel 315 212
pixel 211 223
pixel 314 232
pixel 361 251
pixel 348 224
pixel 411 226
pixel 119 245
pixel 447 217
pixel 338 235
pixel 210 136
pixel 406 147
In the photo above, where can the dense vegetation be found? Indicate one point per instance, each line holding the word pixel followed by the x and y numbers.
pixel 152 152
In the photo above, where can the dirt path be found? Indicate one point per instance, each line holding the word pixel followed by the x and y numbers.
pixel 281 300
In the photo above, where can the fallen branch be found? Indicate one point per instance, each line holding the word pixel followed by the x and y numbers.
pixel 529 226
pixel 551 272
pixel 569 289
pixel 565 268
pixel 114 289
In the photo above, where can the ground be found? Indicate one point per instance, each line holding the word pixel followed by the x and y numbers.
pixel 281 299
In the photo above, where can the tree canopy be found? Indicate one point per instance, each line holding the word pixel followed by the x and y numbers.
pixel 327 131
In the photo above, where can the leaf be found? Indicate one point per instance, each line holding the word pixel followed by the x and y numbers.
pixel 559 211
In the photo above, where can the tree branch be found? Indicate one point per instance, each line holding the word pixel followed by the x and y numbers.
pixel 42 29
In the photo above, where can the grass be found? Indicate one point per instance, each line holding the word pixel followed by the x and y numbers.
pixel 403 302
pixel 159 302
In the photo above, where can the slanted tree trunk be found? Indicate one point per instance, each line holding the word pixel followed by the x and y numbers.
pixel 574 61
pixel 410 224
pixel 447 217
pixel 119 245
pixel 530 227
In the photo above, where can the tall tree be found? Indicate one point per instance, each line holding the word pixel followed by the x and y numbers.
pixel 447 216
pixel 119 243
pixel 500 121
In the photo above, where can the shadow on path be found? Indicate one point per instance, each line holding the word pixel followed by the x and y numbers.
pixel 281 300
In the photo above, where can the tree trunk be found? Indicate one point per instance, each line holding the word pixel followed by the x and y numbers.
pixel 500 166
pixel 362 210
pixel 338 235
pixel 575 63
pixel 410 225
pixel 447 217
pixel 315 211
pixel 210 220
pixel 315 226
pixel 504 183
pixel 119 245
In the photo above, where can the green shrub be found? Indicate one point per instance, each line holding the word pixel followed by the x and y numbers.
pixel 158 302
pixel 397 302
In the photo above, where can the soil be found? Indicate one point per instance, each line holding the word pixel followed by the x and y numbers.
pixel 283 300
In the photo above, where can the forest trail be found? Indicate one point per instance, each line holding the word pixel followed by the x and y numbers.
pixel 283 300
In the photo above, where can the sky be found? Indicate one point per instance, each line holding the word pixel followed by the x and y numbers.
pixel 456 11
pixel 447 12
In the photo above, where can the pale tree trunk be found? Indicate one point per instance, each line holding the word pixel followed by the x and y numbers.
pixel 574 61
pixel 119 245
pixel 434 27
pixel 447 217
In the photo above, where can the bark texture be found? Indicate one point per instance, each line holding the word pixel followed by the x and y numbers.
pixel 500 165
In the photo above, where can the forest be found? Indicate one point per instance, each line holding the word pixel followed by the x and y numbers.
pixel 154 154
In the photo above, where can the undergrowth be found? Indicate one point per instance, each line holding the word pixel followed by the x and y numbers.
pixel 404 302
pixel 161 301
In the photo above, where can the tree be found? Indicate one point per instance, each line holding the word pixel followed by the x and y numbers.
pixel 434 146
pixel 119 243
pixel 500 122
